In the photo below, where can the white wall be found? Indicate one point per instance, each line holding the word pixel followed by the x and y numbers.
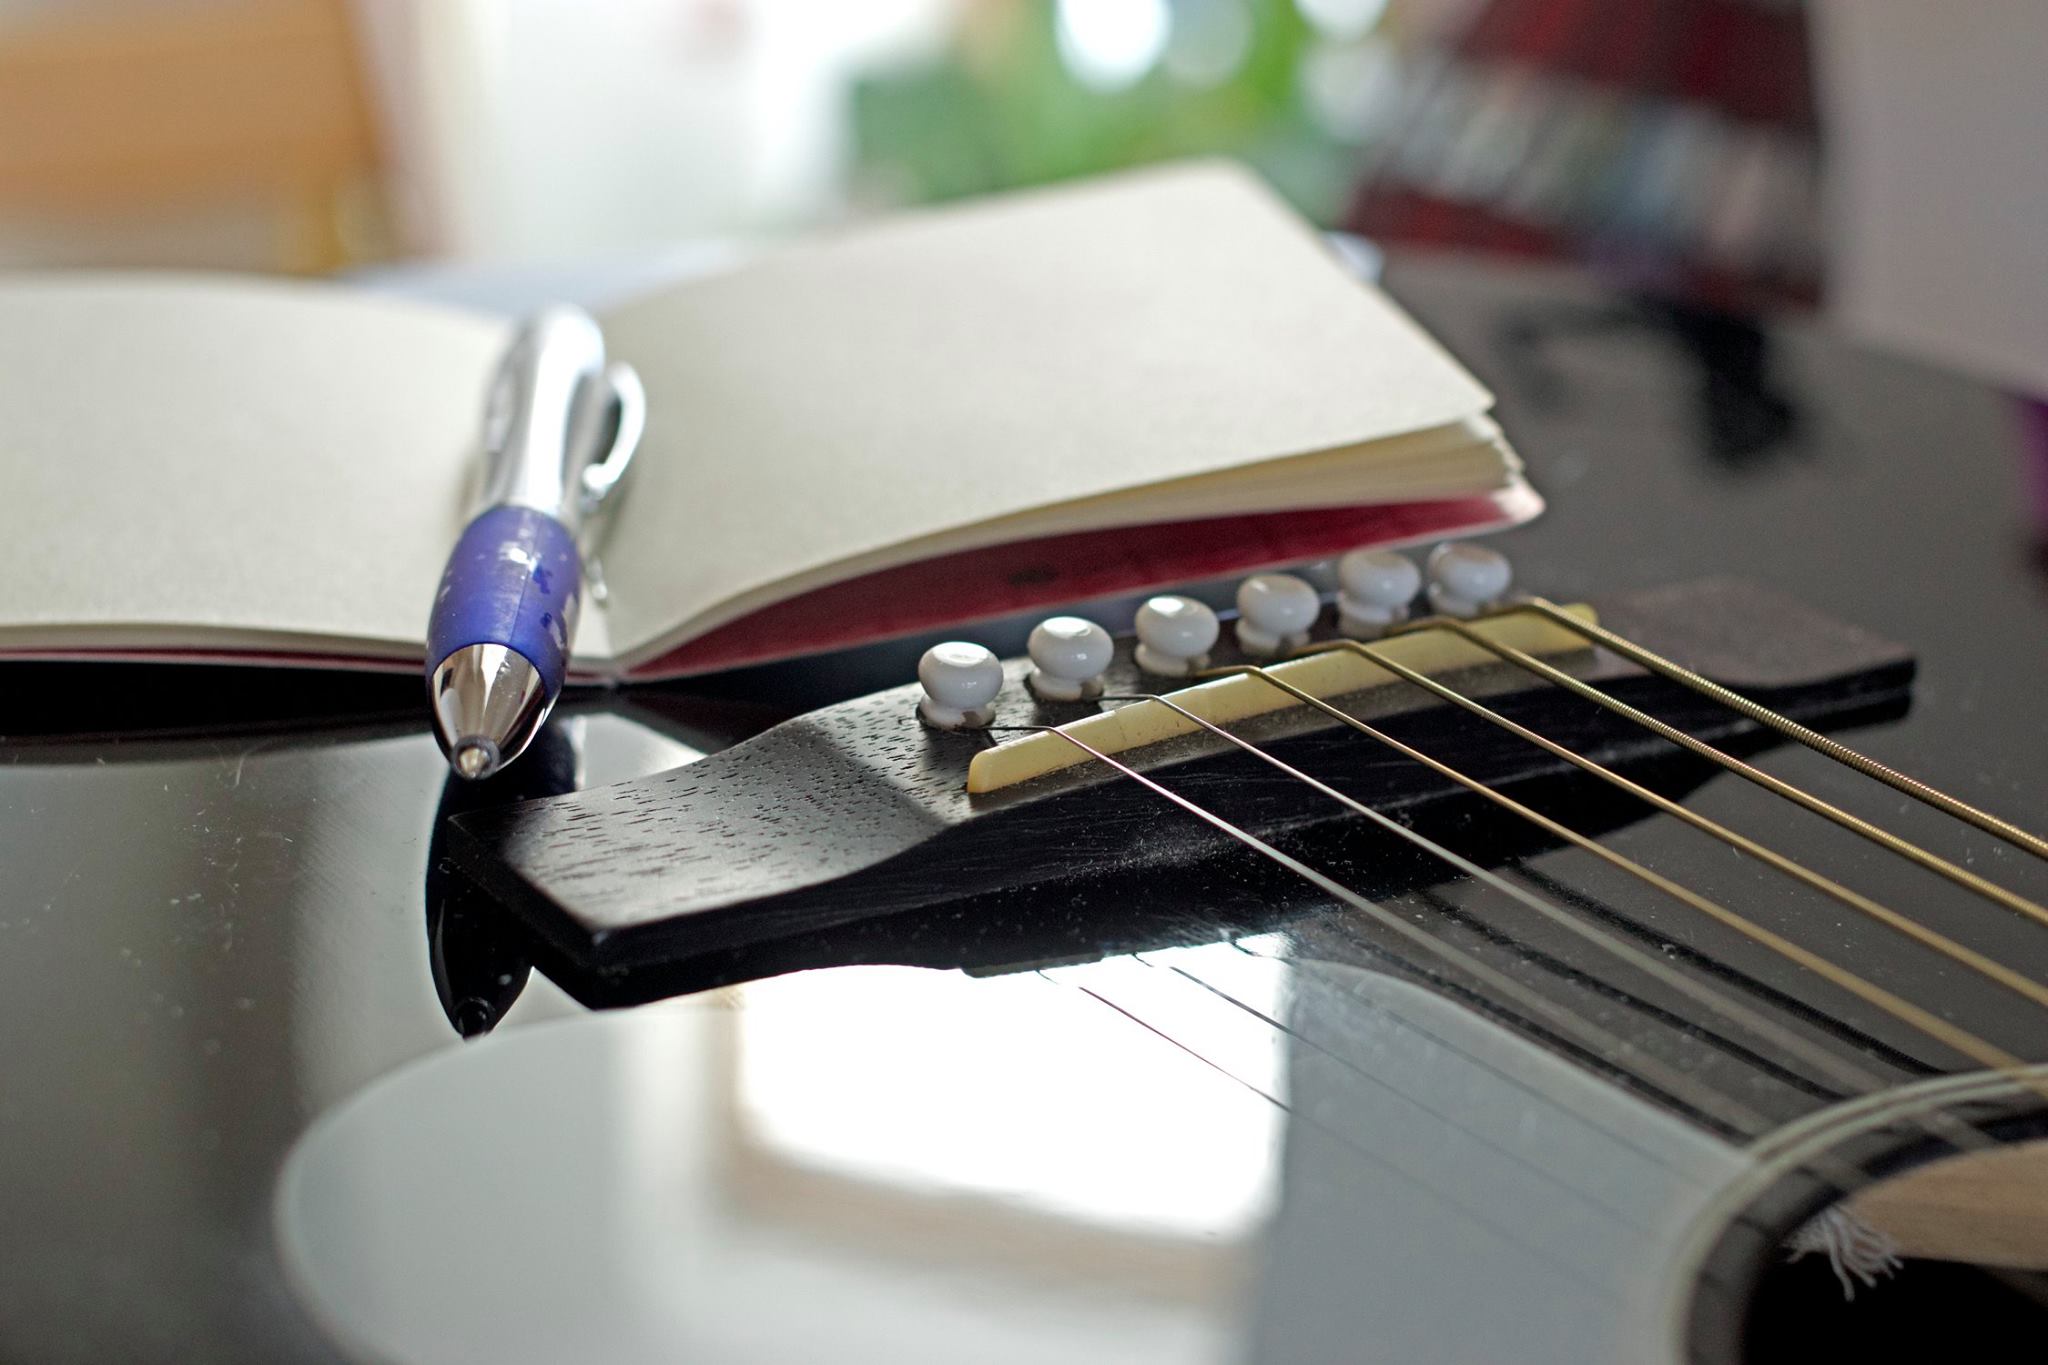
pixel 556 129
pixel 1937 119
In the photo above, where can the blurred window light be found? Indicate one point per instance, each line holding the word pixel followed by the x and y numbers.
pixel 1210 41
pixel 1352 90
pixel 1342 19
pixel 1110 44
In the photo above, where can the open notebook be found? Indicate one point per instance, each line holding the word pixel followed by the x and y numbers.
pixel 959 413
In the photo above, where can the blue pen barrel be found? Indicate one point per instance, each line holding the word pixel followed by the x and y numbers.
pixel 514 579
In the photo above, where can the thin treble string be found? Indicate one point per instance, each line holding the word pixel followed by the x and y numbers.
pixel 1884 839
pixel 1784 725
pixel 1676 1085
pixel 1845 1073
pixel 1454 1048
pixel 1923 1020
pixel 1475 1210
pixel 1620 1211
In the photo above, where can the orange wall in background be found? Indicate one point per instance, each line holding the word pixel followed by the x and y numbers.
pixel 126 113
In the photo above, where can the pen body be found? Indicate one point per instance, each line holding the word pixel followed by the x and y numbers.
pixel 514 579
pixel 560 426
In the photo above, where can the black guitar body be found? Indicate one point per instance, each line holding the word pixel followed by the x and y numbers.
pixel 302 1065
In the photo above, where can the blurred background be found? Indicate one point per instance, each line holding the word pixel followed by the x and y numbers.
pixel 1877 160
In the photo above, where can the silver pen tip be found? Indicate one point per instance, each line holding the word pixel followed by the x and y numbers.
pixel 488 704
pixel 475 759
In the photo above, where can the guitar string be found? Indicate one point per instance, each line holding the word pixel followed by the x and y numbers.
pixel 1938 1123
pixel 1605 1047
pixel 1736 980
pixel 1764 715
pixel 1609 1049
pixel 1532 957
pixel 1730 1007
pixel 1442 1039
pixel 1904 848
pixel 1952 1036
pixel 1729 1115
pixel 1914 1016
pixel 1477 1211
pixel 1296 1037
pixel 1756 1021
pixel 1452 908
pixel 1834 890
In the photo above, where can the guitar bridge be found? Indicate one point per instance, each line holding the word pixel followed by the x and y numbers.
pixel 851 833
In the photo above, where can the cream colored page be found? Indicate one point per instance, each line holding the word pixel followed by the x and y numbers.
pixel 1331 479
pixel 217 462
pixel 967 364
pixel 1461 459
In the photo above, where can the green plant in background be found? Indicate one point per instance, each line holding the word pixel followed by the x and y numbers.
pixel 1032 91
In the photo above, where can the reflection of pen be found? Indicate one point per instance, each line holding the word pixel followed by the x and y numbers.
pixel 559 429
pixel 479 957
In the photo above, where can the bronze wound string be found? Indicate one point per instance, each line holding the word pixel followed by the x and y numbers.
pixel 1609 1049
pixel 1923 1020
pixel 1892 843
pixel 1763 715
pixel 1676 1085
pixel 1855 1078
pixel 1730 1007
pixel 1928 938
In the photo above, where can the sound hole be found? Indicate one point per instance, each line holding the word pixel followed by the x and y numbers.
pixel 1968 1237
pixel 1925 1310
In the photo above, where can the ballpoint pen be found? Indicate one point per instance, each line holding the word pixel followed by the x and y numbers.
pixel 560 427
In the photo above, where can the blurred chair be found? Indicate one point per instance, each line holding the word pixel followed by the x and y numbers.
pixel 120 116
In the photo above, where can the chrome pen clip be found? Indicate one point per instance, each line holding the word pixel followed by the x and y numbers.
pixel 542 427
pixel 611 415
pixel 560 425
pixel 620 418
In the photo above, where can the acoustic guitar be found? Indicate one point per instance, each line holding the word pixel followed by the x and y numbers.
pixel 1652 967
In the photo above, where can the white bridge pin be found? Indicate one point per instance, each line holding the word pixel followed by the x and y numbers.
pixel 1274 613
pixel 1068 656
pixel 959 681
pixel 1375 589
pixel 1465 580
pixel 1175 635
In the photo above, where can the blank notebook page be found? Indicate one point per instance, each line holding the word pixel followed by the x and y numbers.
pixel 238 459
pixel 825 410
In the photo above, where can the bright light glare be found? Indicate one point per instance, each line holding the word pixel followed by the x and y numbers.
pixel 1012 1088
pixel 1109 44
